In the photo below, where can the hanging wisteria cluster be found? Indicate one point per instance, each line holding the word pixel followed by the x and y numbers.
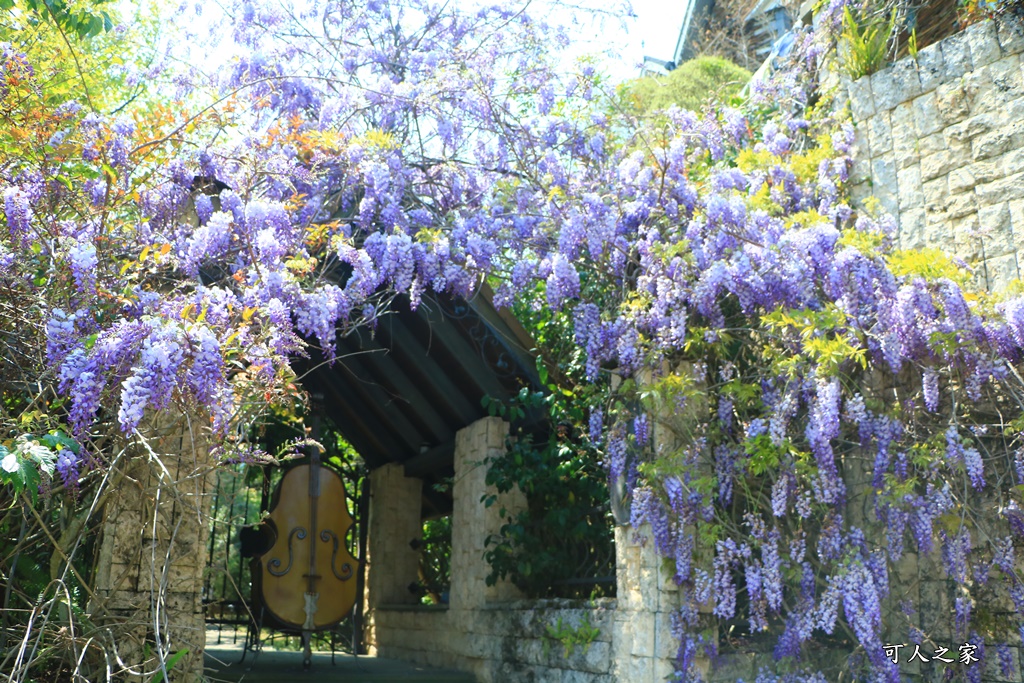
pixel 836 403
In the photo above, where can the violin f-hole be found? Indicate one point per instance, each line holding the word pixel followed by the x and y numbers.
pixel 272 565
pixel 345 574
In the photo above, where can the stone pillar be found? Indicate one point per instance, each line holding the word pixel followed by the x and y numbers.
pixel 154 551
pixel 643 648
pixel 396 503
pixel 472 522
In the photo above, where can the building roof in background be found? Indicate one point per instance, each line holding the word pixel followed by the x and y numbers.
pixel 762 36
pixel 762 7
pixel 694 9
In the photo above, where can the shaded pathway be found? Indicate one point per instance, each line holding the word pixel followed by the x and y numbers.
pixel 275 666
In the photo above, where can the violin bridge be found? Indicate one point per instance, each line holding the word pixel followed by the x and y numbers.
pixel 310 610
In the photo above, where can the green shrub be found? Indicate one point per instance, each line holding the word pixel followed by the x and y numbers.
pixel 690 86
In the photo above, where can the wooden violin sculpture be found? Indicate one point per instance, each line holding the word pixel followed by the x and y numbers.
pixel 308 576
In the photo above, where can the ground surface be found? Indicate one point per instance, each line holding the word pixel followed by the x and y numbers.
pixel 273 666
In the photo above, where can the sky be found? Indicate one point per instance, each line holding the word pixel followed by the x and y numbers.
pixel 653 33
pixel 657 26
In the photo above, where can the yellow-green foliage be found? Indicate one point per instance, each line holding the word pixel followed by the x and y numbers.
pixel 866 242
pixel 77 57
pixel 748 160
pixel 690 86
pixel 823 338
pixel 1013 289
pixel 931 264
pixel 805 219
pixel 762 200
pixel 864 43
pixel 805 165
pixel 378 139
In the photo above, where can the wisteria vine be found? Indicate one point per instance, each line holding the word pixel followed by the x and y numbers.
pixel 799 405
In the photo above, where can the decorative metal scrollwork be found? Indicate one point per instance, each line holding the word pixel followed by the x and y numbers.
pixel 272 565
pixel 492 350
pixel 455 307
pixel 327 536
pixel 485 340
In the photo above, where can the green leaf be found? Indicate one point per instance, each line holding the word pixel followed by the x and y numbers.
pixel 172 661
pixel 30 479
pixel 58 439
pixel 24 477
pixel 41 455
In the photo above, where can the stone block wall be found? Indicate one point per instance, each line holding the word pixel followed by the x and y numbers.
pixel 391 561
pixel 508 642
pixel 155 527
pixel 472 522
pixel 940 144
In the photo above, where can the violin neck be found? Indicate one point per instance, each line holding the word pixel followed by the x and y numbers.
pixel 314 477
pixel 314 494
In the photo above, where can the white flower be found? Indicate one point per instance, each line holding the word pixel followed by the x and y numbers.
pixel 10 463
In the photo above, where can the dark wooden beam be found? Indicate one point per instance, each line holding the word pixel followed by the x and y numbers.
pixel 509 333
pixel 468 359
pixel 374 399
pixel 365 419
pixel 435 504
pixel 366 443
pixel 381 365
pixel 416 358
pixel 431 460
